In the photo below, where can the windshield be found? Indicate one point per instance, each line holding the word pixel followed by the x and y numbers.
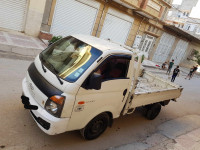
pixel 69 58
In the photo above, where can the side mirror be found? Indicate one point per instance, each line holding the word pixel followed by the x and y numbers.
pixel 94 81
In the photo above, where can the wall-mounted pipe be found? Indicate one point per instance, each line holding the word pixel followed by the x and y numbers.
pixel 104 6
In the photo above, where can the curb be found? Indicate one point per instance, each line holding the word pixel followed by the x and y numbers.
pixel 16 56
pixel 18 52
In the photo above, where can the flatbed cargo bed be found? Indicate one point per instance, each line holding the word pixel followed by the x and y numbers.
pixel 152 89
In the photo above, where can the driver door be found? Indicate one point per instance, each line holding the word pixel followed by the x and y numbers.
pixel 112 95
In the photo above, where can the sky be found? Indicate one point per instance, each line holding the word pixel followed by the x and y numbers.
pixel 195 11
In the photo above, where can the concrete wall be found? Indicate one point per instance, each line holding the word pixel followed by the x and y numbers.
pixel 34 17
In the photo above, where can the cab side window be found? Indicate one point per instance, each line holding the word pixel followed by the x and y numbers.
pixel 114 68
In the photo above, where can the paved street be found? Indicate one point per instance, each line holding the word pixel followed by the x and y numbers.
pixel 170 130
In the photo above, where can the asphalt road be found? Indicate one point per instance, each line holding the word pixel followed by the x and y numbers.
pixel 19 131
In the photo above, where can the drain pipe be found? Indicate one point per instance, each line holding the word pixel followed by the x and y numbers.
pixel 140 26
pixel 104 6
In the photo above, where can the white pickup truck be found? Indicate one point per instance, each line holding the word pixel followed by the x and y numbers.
pixel 83 83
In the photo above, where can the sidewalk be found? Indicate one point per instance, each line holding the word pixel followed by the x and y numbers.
pixel 175 134
pixel 19 45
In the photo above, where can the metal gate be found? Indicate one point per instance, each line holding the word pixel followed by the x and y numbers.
pixel 164 48
pixel 116 26
pixel 74 17
pixel 13 14
pixel 147 44
pixel 179 52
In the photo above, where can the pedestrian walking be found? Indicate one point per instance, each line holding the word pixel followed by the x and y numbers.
pixel 194 70
pixel 175 73
pixel 170 67
pixel 190 73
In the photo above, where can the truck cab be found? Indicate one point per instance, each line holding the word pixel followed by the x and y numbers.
pixel 76 79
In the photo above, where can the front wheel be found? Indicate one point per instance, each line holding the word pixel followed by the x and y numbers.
pixel 153 111
pixel 95 127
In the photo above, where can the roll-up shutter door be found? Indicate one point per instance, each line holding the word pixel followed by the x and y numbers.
pixel 116 26
pixel 164 48
pixel 12 14
pixel 74 17
pixel 179 52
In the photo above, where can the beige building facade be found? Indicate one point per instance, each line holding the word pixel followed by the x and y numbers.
pixel 135 23
pixel 141 21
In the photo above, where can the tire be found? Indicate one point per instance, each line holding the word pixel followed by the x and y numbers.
pixel 153 111
pixel 95 127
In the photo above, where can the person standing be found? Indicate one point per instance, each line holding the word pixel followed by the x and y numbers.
pixel 190 73
pixel 175 73
pixel 170 67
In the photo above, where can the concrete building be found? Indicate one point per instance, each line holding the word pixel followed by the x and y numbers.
pixel 179 15
pixel 192 26
pixel 135 23
pixel 138 23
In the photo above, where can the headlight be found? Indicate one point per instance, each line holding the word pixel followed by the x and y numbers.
pixel 54 105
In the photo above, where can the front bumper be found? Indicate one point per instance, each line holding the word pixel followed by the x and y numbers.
pixel 48 123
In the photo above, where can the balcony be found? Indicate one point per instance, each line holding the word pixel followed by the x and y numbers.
pixel 147 8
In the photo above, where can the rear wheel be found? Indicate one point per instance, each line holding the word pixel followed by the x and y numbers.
pixel 153 111
pixel 95 127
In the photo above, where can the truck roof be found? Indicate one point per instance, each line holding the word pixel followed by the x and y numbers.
pixel 99 43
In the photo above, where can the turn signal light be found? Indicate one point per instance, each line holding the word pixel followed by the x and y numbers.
pixel 81 102
pixel 58 99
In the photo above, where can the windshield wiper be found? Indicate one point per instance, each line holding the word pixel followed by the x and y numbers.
pixel 42 60
pixel 52 67
pixel 61 82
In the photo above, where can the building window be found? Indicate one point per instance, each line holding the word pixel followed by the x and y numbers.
pixel 153 28
pixel 163 16
pixel 149 28
pixel 169 13
pixel 156 31
pixel 154 5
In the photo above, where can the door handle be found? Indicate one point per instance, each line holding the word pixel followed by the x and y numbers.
pixel 125 91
